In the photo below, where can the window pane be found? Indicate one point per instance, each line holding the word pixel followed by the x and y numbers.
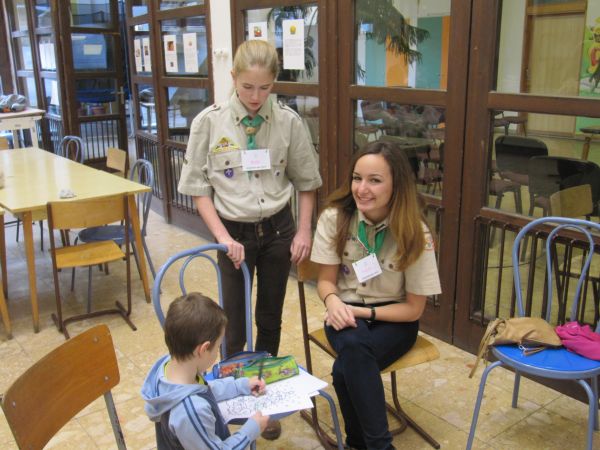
pixel 183 104
pixel 96 97
pixel 561 51
pixel 43 15
pixel 533 173
pixel 418 130
pixel 269 24
pixel 19 16
pixel 308 108
pixel 142 52
pixel 92 52
pixel 93 14
pixel 47 53
pixel 23 53
pixel 52 94
pixel 139 7
pixel 179 3
pixel 180 34
pixel 147 121
pixel 27 88
pixel 404 43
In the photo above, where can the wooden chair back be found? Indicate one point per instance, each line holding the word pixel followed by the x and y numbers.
pixel 575 201
pixel 51 392
pixel 116 159
pixel 307 271
pixel 70 214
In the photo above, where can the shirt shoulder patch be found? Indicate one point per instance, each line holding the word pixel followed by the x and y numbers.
pixel 429 242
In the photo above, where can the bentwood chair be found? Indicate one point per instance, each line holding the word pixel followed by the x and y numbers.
pixel 116 161
pixel 423 351
pixel 70 214
pixel 557 364
pixel 52 391
pixel 183 260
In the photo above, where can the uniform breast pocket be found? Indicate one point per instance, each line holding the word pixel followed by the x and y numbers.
pixel 276 179
pixel 352 253
pixel 225 171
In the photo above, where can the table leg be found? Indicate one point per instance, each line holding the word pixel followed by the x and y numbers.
pixel 16 143
pixel 3 257
pixel 135 225
pixel 4 313
pixel 28 232
pixel 586 148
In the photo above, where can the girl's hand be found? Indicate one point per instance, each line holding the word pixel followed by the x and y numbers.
pixel 235 250
pixel 338 314
pixel 301 246
pixel 257 387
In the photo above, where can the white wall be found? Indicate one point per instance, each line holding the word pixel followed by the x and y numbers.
pixel 220 25
pixel 511 46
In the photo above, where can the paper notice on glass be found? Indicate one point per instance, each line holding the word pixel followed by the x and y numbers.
pixel 92 49
pixel 50 56
pixel 170 43
pixel 257 30
pixel 147 59
pixel 293 44
pixel 54 100
pixel 190 52
pixel 137 53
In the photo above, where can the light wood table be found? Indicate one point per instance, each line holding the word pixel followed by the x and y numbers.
pixel 24 120
pixel 34 177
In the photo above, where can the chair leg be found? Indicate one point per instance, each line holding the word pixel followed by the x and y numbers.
pixel 484 376
pixel 114 421
pixel 58 318
pixel 399 413
pixel 41 235
pixel 593 407
pixel 594 383
pixel 18 228
pixel 72 279
pixel 516 387
pixel 5 316
pixel 148 257
pixel 89 296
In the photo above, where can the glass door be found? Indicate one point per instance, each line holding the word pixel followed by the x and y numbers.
pixel 94 75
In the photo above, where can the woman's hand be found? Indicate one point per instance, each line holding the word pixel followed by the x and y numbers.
pixel 257 386
pixel 338 314
pixel 301 246
pixel 235 250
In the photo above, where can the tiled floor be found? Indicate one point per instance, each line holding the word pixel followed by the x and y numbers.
pixel 439 395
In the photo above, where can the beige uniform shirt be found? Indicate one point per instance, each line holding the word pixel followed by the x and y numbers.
pixel 213 163
pixel 420 278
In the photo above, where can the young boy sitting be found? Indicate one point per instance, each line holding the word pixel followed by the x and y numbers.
pixel 178 399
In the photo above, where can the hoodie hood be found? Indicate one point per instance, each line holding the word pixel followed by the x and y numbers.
pixel 160 394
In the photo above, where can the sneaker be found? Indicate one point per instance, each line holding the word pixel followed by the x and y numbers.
pixel 273 430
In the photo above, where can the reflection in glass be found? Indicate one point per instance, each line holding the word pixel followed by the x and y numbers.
pixel 43 13
pixel 23 53
pixel 96 97
pixel 183 104
pixel 179 3
pixel 402 43
pixel 561 50
pixel 147 120
pixel 92 52
pixel 533 174
pixel 275 19
pixel 187 32
pixel 142 55
pixel 94 14
pixel 52 94
pixel 418 130
pixel 308 108
pixel 27 88
pixel 138 7
pixel 19 17
pixel 47 53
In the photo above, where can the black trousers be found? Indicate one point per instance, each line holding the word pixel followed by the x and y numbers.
pixel 267 250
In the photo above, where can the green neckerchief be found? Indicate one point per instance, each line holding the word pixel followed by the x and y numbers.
pixel 362 237
pixel 252 125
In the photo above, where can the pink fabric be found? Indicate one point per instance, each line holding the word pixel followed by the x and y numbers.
pixel 580 339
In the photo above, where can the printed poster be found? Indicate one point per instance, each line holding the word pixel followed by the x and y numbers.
pixel 170 43
pixel 147 56
pixel 190 52
pixel 589 75
pixel 137 53
pixel 293 44
pixel 257 30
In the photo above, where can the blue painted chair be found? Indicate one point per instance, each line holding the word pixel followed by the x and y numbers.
pixel 558 364
pixel 188 256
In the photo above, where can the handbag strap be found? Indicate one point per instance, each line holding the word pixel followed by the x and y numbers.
pixel 484 344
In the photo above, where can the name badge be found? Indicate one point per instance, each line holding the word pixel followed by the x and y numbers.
pixel 258 159
pixel 367 268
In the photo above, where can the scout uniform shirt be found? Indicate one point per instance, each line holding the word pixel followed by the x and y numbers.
pixel 420 278
pixel 213 162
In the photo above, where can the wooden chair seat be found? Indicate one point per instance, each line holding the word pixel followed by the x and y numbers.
pixel 88 254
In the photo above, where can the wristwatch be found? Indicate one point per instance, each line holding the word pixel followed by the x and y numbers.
pixel 372 313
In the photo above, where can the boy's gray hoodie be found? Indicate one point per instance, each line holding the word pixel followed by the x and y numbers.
pixel 190 410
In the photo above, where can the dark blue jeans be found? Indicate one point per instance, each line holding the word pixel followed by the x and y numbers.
pixel 267 249
pixel 363 352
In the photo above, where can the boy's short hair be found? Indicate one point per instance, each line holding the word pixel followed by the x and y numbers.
pixel 192 319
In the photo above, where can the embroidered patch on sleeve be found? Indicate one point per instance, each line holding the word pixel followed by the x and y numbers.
pixel 429 243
